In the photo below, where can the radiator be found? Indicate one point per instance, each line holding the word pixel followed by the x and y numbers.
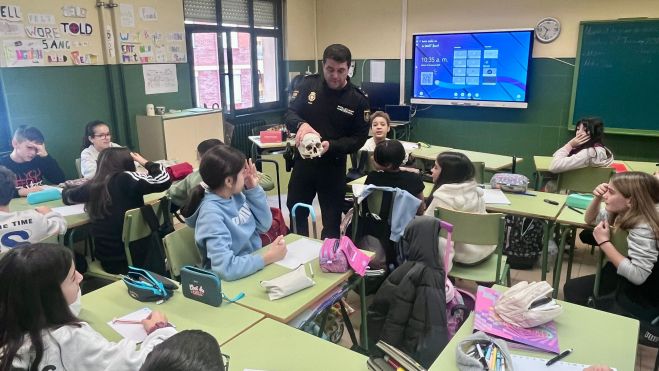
pixel 240 133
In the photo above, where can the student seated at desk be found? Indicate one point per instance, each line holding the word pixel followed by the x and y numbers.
pixel 179 192
pixel 455 188
pixel 228 210
pixel 97 138
pixel 39 304
pixel 30 161
pixel 387 158
pixel 380 126
pixel 116 188
pixel 189 350
pixel 24 226
pixel 632 205
pixel 584 150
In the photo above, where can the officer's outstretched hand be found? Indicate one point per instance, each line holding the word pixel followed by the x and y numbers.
pixel 303 130
pixel 325 145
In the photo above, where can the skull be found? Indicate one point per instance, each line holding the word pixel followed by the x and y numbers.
pixel 310 146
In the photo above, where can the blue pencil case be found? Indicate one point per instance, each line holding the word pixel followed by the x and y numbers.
pixel 579 201
pixel 43 196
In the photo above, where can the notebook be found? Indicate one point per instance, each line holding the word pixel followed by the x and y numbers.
pixel 533 363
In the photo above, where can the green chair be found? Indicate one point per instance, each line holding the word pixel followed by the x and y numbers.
pixel 479 173
pixel 478 229
pixel 181 250
pixel 619 240
pixel 584 180
pixel 135 228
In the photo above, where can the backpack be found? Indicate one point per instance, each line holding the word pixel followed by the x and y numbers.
pixel 522 241
pixel 149 253
pixel 278 227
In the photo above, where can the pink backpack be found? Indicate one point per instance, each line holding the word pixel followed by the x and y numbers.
pixel 339 255
pixel 458 302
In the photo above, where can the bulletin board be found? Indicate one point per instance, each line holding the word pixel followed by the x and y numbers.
pixel 150 31
pixel 77 32
pixel 49 33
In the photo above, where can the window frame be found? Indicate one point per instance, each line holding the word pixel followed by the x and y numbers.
pixel 228 102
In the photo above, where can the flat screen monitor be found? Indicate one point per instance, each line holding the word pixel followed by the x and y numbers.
pixel 481 68
pixel 380 94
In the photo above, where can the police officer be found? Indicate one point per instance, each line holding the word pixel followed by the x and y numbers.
pixel 336 110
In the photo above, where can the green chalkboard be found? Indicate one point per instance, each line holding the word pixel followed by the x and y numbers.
pixel 617 75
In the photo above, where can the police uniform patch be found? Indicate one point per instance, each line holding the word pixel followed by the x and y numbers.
pixel 311 97
pixel 367 115
pixel 294 95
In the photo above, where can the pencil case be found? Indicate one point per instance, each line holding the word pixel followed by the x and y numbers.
pixel 287 284
pixel 43 196
pixel 579 201
pixel 472 352
pixel 204 286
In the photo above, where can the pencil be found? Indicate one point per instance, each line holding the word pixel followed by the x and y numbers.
pixel 127 321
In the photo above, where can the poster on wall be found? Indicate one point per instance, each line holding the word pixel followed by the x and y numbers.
pixel 21 53
pixel 126 15
pixel 160 78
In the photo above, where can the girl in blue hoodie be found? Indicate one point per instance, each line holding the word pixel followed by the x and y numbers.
pixel 228 210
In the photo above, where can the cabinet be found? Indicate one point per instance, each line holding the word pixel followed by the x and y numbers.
pixel 175 136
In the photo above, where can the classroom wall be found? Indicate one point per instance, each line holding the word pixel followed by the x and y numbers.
pixel 371 29
pixel 61 98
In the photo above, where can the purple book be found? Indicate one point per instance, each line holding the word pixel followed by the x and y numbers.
pixel 543 337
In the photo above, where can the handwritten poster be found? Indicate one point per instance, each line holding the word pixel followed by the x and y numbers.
pixel 160 78
pixel 126 15
pixel 148 13
pixel 23 52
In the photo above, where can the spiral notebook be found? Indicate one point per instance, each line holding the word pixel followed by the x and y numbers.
pixel 533 363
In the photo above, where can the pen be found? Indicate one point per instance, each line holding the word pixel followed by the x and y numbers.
pixel 527 194
pixel 575 209
pixel 311 270
pixel 127 321
pixel 559 357
pixel 481 357
pixel 551 201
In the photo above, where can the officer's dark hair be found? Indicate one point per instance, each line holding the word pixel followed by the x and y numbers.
pixel 207 144
pixel 337 52
pixel 389 154
pixel 30 133
pixel 217 164
pixel 7 185
pixel 189 350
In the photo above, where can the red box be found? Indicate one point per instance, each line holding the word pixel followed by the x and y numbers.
pixel 270 136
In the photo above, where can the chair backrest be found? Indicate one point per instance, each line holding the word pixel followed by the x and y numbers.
pixel 136 227
pixel 181 250
pixel 479 173
pixel 585 179
pixel 473 228
pixel 78 168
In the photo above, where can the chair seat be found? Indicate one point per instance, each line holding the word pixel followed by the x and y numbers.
pixel 266 182
pixel 95 269
pixel 483 272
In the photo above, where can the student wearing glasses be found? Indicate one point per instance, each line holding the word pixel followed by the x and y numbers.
pixel 97 138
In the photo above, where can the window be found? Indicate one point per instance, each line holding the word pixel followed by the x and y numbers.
pixel 236 63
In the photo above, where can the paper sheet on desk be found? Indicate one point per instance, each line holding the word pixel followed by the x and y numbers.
pixel 299 252
pixel 533 363
pixel 133 332
pixel 495 196
pixel 357 189
pixel 70 210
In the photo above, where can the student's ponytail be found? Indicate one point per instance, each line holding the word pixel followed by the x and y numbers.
pixel 193 202
pixel 217 164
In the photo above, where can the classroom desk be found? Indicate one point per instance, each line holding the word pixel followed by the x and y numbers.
pixel 285 309
pixel 492 161
pixel 597 338
pixel 73 221
pixel 270 345
pixel 224 322
pixel 534 207
pixel 646 167
pixel 427 186
pixel 429 153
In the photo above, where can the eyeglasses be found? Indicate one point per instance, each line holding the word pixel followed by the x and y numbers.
pixel 226 359
pixel 103 136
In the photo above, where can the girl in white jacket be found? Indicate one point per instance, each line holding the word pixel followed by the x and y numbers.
pixel 39 330
pixel 455 188
pixel 584 150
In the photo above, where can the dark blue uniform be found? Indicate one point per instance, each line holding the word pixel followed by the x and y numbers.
pixel 341 118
